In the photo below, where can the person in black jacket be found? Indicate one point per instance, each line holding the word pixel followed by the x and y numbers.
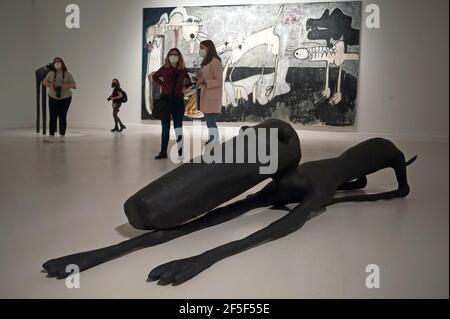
pixel 116 98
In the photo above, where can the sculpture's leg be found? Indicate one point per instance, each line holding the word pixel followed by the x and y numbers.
pixel 401 191
pixel 367 198
pixel 178 271
pixel 89 259
pixel 325 94
pixel 337 97
pixel 353 185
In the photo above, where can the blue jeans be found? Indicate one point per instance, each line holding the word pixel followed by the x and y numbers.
pixel 176 112
pixel 213 132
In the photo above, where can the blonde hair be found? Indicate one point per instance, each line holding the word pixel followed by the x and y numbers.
pixel 180 65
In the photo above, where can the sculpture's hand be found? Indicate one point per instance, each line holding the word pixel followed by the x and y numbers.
pixel 58 267
pixel 85 260
pixel 179 271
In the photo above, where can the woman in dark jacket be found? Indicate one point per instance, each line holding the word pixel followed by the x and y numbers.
pixel 116 98
pixel 175 82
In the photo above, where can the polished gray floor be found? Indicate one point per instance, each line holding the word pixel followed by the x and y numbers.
pixel 62 198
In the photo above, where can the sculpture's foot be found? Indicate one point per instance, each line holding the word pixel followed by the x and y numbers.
pixel 179 271
pixel 336 98
pixel 59 267
pixel 401 192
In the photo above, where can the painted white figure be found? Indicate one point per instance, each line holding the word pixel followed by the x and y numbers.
pixel 264 86
pixel 189 25
pixel 334 55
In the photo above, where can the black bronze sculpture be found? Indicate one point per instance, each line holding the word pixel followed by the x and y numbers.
pixel 40 74
pixel 312 185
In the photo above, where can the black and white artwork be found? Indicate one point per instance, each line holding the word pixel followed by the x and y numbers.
pixel 295 62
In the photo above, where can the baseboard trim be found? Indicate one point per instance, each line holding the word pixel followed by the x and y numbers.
pixel 306 132
pixel 310 133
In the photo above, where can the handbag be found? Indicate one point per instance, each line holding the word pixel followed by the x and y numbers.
pixel 162 104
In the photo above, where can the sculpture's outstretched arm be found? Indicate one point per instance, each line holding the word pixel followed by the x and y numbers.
pixel 179 271
pixel 85 260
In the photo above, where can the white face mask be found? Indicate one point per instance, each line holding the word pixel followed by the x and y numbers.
pixel 202 53
pixel 173 59
pixel 58 65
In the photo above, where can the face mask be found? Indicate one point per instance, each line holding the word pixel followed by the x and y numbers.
pixel 58 65
pixel 202 53
pixel 173 59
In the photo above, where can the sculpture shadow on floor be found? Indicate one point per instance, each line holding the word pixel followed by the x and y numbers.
pixel 128 231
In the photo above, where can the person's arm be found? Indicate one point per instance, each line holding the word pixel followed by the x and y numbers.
pixel 118 97
pixel 156 77
pixel 71 84
pixel 189 81
pixel 188 86
pixel 47 82
pixel 217 75
pixel 115 95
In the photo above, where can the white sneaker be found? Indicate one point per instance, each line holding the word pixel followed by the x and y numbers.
pixel 61 139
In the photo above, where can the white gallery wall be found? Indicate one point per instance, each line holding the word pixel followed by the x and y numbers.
pixel 17 82
pixel 403 83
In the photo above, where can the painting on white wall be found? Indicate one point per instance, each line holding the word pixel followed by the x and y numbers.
pixel 296 62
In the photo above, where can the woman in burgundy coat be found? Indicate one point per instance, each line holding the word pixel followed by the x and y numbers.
pixel 175 82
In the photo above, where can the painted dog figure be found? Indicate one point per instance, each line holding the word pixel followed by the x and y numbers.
pixel 334 26
pixel 312 185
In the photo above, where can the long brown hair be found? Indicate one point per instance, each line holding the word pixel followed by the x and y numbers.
pixel 181 65
pixel 118 83
pixel 64 67
pixel 212 52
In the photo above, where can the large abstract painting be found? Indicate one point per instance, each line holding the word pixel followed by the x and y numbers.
pixel 295 62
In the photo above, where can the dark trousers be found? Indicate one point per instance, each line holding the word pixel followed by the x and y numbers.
pixel 58 112
pixel 176 113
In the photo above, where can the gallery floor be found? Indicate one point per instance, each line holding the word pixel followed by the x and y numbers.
pixel 57 199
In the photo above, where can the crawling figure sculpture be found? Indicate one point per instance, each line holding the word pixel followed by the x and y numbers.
pixel 165 207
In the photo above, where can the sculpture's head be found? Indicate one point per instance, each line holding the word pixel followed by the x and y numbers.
pixel 50 67
pixel 277 142
pixel 265 150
